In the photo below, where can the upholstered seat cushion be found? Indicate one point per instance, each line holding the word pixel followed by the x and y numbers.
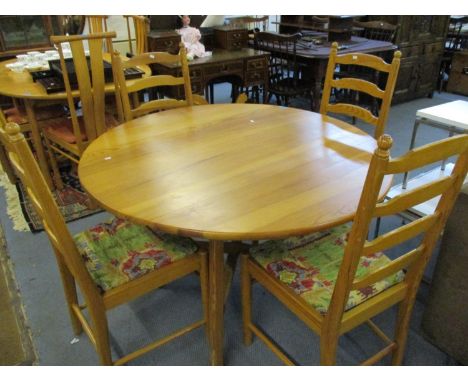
pixel 309 265
pixel 119 251
pixel 63 129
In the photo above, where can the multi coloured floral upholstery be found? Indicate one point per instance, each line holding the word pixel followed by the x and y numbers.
pixel 309 265
pixel 118 251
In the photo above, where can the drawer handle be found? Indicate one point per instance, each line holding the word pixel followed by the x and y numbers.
pixel 169 43
pixel 236 35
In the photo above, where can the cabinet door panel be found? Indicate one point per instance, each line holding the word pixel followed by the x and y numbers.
pixel 406 82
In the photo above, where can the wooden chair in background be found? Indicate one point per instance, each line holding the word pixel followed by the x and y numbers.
pixel 131 106
pixel 97 24
pixel 105 277
pixel 375 30
pixel 284 71
pixel 140 25
pixel 252 23
pixel 336 280
pixel 69 138
pixel 358 85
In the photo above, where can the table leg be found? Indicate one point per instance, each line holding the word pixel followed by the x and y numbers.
pixel 451 133
pixel 216 301
pixel 413 139
pixel 37 142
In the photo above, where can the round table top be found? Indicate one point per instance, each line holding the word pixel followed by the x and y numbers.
pixel 21 85
pixel 231 171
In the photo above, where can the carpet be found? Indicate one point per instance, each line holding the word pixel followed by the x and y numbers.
pixel 16 347
pixel 73 202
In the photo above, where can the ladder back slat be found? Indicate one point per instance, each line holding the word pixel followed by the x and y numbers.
pixel 359 85
pixel 413 197
pixel 400 235
pixel 390 269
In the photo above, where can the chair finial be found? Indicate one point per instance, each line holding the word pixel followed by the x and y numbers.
pixel 334 45
pixel 397 54
pixel 384 143
pixel 14 131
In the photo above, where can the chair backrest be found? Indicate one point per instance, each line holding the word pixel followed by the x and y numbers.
pixel 385 95
pixel 28 171
pixel 88 74
pixel 138 108
pixel 376 30
pixel 429 226
pixel 283 60
pixel 250 22
pixel 97 24
pixel 141 25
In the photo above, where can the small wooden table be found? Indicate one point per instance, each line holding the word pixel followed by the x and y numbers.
pixel 21 86
pixel 230 172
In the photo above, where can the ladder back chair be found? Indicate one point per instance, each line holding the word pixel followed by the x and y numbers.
pixel 360 85
pixel 140 26
pixel 69 138
pixel 336 280
pixel 131 106
pixel 105 261
pixel 284 70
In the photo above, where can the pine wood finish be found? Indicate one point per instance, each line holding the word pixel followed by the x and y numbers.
pixel 140 108
pixel 337 321
pixel 141 26
pixel 230 172
pixel 73 270
pixel 92 97
pixel 97 23
pixel 355 84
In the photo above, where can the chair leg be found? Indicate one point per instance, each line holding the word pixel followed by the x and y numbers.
pixel 204 290
pixel 53 162
pixel 246 295
pixel 101 334
pixel 401 331
pixel 328 347
pixel 71 296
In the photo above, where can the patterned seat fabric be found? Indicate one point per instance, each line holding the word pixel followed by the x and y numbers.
pixel 118 251
pixel 309 265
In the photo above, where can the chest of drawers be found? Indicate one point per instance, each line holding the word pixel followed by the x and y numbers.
pixel 230 38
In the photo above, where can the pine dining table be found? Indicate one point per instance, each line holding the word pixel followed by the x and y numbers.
pixel 230 172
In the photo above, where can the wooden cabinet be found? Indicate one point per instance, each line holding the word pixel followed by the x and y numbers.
pixel 421 41
pixel 458 80
pixel 230 38
pixel 19 34
pixel 163 41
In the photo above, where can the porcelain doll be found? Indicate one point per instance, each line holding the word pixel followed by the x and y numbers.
pixel 191 38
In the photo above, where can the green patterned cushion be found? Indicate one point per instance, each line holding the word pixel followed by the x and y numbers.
pixel 309 265
pixel 118 251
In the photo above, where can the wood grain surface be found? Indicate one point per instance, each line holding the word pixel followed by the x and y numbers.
pixel 231 171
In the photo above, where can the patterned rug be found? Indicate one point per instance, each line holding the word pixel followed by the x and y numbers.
pixel 72 201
